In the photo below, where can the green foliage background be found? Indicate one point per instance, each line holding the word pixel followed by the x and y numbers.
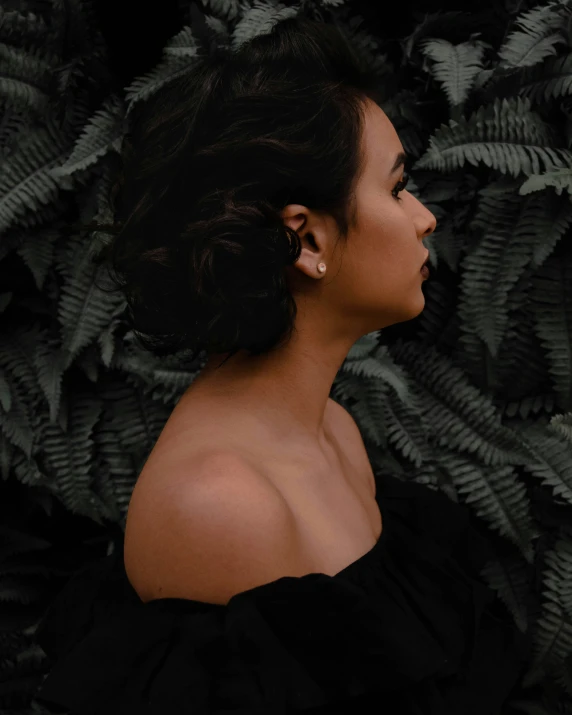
pixel 473 397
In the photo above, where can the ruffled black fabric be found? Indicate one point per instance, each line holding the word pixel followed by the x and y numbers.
pixel 408 629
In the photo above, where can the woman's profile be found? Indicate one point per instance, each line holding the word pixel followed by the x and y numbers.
pixel 265 222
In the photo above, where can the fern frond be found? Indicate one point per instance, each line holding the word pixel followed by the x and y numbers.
pixel 458 415
pixel 365 400
pixel 509 577
pixel 504 253
pixel 406 431
pixel 537 38
pixel 456 66
pixel 552 461
pixel 443 22
pixel 258 19
pixel 169 69
pixel 218 27
pixel 552 639
pixel 25 78
pixel 69 453
pixel 17 423
pixel 226 9
pixel 25 23
pixel 518 372
pixel 170 383
pixel 50 367
pixel 562 424
pixel 551 303
pixel 85 306
pixel 363 347
pixel 138 421
pixel 16 356
pixel 551 80
pixel 505 135
pixel 383 369
pixel 29 194
pixel 560 179
pixel 526 407
pixel 101 133
pixel 500 499
pixel 37 252
pixel 117 468
pixel 402 422
pixel 27 471
pixel 5 392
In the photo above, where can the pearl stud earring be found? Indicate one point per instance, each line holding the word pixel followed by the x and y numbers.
pixel 322 267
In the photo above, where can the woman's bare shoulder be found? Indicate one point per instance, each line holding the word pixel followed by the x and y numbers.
pixel 207 517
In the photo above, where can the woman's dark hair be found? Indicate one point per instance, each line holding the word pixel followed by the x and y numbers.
pixel 199 247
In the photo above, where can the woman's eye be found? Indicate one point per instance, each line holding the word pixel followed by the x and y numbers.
pixel 400 186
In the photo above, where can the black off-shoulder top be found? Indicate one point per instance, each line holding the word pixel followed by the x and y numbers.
pixel 409 628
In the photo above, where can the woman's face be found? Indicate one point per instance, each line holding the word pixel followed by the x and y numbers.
pixel 373 279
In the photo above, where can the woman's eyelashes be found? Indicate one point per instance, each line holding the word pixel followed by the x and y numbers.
pixel 400 186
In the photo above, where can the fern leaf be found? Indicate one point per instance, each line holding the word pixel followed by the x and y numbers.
pixel 551 302
pixel 27 472
pixel 551 80
pixel 5 392
pixel 456 66
pixel 259 20
pixel 367 409
pixel 138 421
pixel 182 44
pixel 144 86
pixel 536 39
pixel 16 356
pixel 509 578
pixel 23 22
pixel 85 306
pixel 69 454
pixel 16 423
pixel 518 373
pixel 218 27
pixel 458 415
pixel 562 424
pixel 506 135
pixel 560 179
pixel 26 183
pixel 402 423
pixel 171 382
pixel 552 640
pixel 101 133
pixel 381 368
pixel 106 341
pixel 37 252
pixel 406 431
pixel 500 499
pixel 227 9
pixel 50 367
pixel 552 462
pixel 492 270
pixel 20 424
pixel 26 77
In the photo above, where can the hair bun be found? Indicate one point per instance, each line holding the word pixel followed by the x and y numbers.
pixel 211 159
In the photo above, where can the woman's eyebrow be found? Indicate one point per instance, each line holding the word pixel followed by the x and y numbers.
pixel 400 160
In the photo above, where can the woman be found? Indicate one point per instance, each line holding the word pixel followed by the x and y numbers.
pixel 265 568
